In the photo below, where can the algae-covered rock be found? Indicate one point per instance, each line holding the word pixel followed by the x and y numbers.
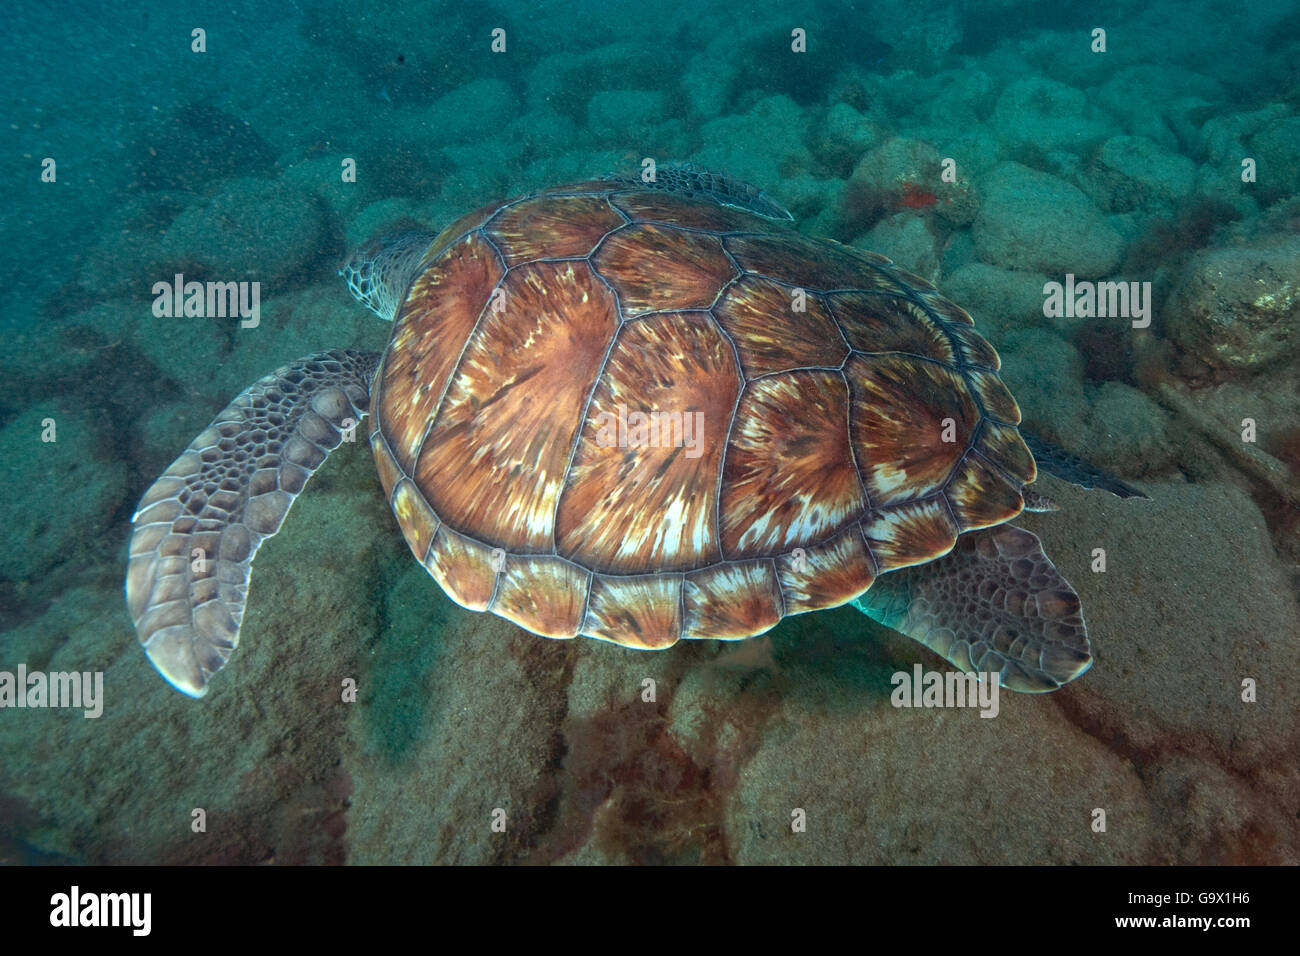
pixel 998 299
pixel 904 174
pixel 1035 222
pixel 1238 307
pixel 1045 114
pixel 1045 374
pixel 905 239
pixel 1276 150
pixel 127 256
pixel 1133 171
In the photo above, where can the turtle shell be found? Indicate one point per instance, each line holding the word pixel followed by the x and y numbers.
pixel 644 417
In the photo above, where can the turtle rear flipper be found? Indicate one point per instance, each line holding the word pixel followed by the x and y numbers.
pixel 995 603
pixel 199 525
pixel 1072 468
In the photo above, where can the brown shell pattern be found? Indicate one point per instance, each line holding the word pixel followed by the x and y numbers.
pixel 642 417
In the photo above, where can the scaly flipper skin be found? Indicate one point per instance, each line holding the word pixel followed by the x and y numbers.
pixel 995 603
pixel 228 492
pixel 1072 468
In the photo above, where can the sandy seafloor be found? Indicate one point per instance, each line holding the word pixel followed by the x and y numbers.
pixel 1125 164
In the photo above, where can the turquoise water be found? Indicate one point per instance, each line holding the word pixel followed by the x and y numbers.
pixel 1005 151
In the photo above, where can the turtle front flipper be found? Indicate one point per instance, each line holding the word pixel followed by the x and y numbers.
pixel 199 525
pixel 995 603
pixel 1072 468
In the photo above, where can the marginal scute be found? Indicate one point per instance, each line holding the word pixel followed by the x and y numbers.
pixel 1003 446
pixel 643 612
pixel 464 568
pixel 947 310
pixel 732 601
pixel 981 496
pixel 826 575
pixel 974 348
pixel 414 516
pixel 997 401
pixel 543 594
pixel 911 533
pixel 389 473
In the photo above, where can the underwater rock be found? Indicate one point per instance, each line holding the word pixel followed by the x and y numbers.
pixel 906 175
pixel 543 131
pixel 624 113
pixel 842 136
pixel 708 82
pixel 925 33
pixel 65 352
pixel 760 147
pixel 900 161
pixel 1223 136
pixel 1126 430
pixel 1171 660
pixel 964 99
pixel 127 257
pixel 251 229
pixel 378 218
pixel 1044 114
pixel 472 112
pixel 1000 300
pixel 1034 222
pixel 1238 307
pixel 1132 172
pixel 564 81
pixel 322 176
pixel 56 475
pixel 291 325
pixel 1045 374
pixel 1152 100
pixel 904 238
pixel 164 430
pixel 1221 182
pixel 1276 150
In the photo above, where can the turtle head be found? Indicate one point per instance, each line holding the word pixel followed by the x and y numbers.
pixel 379 272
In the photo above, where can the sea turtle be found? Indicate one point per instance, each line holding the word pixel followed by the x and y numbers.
pixel 643 412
